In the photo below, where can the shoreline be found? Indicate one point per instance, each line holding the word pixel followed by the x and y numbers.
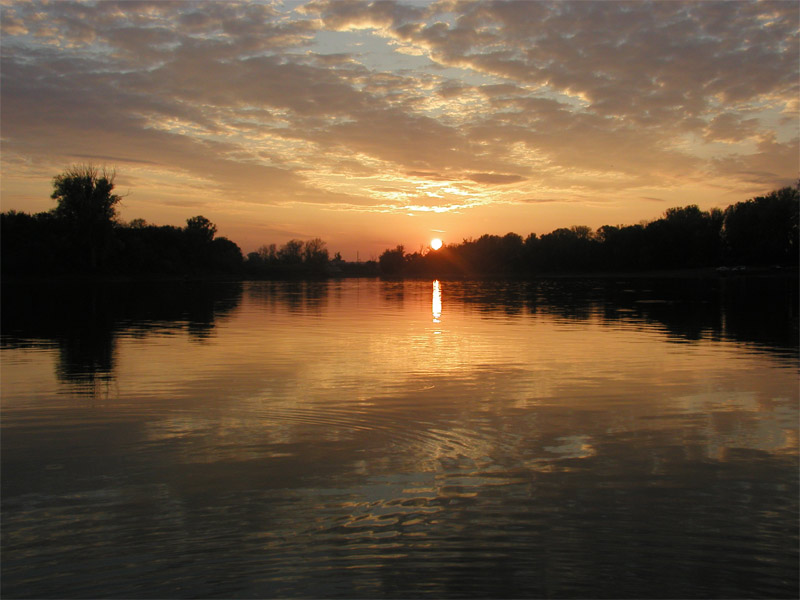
pixel 697 273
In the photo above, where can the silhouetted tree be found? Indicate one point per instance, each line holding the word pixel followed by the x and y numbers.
pixel 82 234
pixel 572 249
pixel 621 247
pixel 87 204
pixel 137 224
pixel 34 245
pixel 315 256
pixel 684 237
pixel 291 253
pixel 201 229
pixel 198 237
pixel 294 259
pixel 268 253
pixel 391 261
pixel 763 230
pixel 155 250
pixel 226 257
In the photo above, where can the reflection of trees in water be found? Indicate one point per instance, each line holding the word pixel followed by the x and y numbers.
pixel 87 358
pixel 393 292
pixel 762 310
pixel 748 309
pixel 296 296
pixel 84 321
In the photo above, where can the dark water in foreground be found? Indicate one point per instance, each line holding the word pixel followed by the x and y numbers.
pixel 401 439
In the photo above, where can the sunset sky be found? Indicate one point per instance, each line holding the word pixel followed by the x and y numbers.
pixel 376 124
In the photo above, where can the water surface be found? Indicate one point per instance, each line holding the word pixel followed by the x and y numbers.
pixel 366 438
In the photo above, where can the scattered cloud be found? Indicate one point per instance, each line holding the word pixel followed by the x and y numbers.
pixel 495 178
pixel 327 102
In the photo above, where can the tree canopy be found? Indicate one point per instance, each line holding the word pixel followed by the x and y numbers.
pixel 86 203
pixel 84 196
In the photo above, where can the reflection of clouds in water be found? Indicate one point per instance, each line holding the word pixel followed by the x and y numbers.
pixel 351 370
pixel 379 380
pixel 572 446
pixel 744 420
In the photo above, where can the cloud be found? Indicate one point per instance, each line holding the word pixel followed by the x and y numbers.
pixel 546 200
pixel 495 178
pixel 730 127
pixel 500 100
pixel 353 14
pixel 772 163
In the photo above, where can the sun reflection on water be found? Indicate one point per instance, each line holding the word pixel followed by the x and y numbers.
pixel 436 304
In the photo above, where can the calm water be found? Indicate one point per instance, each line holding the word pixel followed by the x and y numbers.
pixel 362 438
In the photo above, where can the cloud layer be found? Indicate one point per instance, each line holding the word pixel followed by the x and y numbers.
pixel 403 107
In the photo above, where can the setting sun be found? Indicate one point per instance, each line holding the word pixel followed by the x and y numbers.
pixel 436 243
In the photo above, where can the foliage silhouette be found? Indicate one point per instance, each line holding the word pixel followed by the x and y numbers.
pixel 82 236
pixel 201 229
pixel 294 259
pixel 763 230
pixel 87 204
pixel 392 261
pixel 760 232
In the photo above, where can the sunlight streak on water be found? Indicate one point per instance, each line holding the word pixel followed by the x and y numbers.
pixel 436 307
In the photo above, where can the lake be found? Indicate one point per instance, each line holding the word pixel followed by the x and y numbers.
pixel 362 438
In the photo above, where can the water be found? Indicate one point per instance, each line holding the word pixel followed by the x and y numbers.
pixel 366 439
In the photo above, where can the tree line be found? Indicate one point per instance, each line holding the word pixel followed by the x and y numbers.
pixel 82 235
pixel 759 232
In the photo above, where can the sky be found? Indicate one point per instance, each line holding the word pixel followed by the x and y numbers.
pixel 375 124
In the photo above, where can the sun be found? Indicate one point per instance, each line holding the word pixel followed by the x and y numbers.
pixel 436 243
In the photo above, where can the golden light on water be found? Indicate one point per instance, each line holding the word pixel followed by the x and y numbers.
pixel 436 243
pixel 436 304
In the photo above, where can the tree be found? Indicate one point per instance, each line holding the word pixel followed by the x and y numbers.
pixel 563 249
pixel 226 256
pixel 684 237
pixel 84 195
pixel 87 204
pixel 315 255
pixel 622 246
pixel 391 261
pixel 291 253
pixel 764 230
pixel 138 224
pixel 201 228
pixel 268 254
